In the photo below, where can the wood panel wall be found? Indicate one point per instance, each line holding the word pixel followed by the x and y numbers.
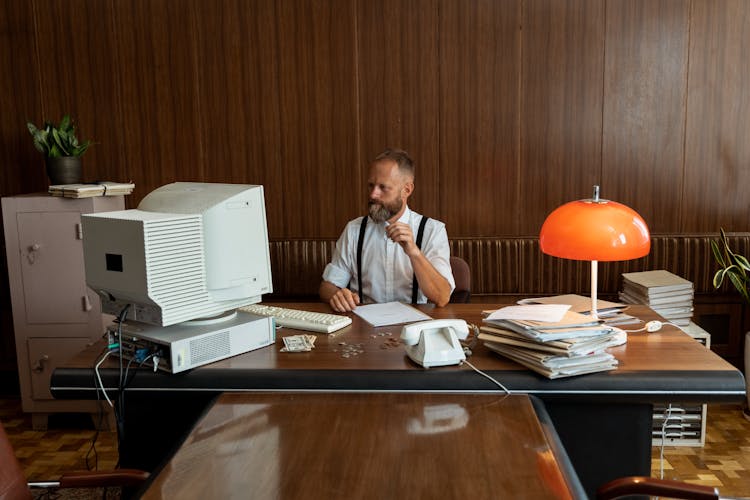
pixel 509 107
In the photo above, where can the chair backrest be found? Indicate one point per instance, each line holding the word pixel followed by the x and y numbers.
pixel 12 478
pixel 462 277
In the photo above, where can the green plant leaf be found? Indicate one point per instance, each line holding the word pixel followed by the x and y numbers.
pixel 718 255
pixel 65 123
pixel 742 262
pixel 40 138
pixel 54 151
pixel 62 140
pixel 719 278
pixel 736 268
pixel 55 141
pixel 741 285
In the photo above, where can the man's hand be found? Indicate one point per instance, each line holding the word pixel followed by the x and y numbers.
pixel 402 234
pixel 340 299
pixel 434 286
pixel 344 300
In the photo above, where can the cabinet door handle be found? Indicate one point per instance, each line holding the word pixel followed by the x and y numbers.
pixel 33 249
pixel 39 366
pixel 86 303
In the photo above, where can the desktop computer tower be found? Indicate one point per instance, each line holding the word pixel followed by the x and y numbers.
pixel 191 344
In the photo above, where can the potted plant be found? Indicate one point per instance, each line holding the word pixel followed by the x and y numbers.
pixel 736 267
pixel 61 149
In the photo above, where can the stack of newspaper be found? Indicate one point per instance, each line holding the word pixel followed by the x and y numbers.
pixel 105 188
pixel 669 295
pixel 570 344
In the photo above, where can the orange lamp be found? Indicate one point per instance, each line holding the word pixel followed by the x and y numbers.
pixel 595 230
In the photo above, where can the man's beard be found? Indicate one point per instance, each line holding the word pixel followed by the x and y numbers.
pixel 381 212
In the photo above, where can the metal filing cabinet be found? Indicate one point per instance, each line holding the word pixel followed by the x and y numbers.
pixel 55 315
pixel 685 423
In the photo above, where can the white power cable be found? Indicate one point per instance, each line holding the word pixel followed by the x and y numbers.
pixel 486 376
pixel 99 378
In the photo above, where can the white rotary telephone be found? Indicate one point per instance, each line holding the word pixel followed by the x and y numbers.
pixel 435 342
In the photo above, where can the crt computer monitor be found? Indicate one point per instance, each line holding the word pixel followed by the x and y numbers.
pixel 190 250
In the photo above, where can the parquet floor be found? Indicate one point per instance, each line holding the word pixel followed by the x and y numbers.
pixel 66 444
pixel 723 462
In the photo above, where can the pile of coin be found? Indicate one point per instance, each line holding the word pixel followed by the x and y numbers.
pixel 390 343
pixel 350 350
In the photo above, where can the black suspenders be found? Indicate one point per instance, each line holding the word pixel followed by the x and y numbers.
pixel 360 243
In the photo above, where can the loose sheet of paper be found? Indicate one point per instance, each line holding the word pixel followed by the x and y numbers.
pixel 389 313
pixel 549 313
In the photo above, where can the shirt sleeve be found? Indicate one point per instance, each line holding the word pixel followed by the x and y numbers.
pixel 340 270
pixel 437 250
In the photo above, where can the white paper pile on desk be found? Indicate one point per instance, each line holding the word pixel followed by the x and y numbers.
pixel 574 344
pixel 105 188
pixel 667 294
pixel 611 313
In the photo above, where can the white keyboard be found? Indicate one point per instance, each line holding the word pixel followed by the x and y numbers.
pixel 301 320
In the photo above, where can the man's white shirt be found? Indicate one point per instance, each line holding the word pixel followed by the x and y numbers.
pixel 387 270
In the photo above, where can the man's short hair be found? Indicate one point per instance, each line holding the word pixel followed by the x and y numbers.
pixel 402 159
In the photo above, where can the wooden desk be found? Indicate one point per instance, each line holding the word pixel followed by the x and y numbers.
pixel 603 419
pixel 667 364
pixel 369 445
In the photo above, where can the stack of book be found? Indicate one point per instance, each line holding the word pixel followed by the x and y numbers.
pixel 669 295
pixel 105 188
pixel 575 345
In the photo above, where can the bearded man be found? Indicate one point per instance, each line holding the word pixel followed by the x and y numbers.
pixel 377 257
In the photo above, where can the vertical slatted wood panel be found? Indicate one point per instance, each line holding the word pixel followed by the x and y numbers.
pixel 238 88
pixel 297 266
pixel 23 167
pixel 717 140
pixel 20 100
pixel 78 67
pixel 479 100
pixel 645 70
pixel 318 115
pixel 300 95
pixel 398 82
pixel 562 66
pixel 159 119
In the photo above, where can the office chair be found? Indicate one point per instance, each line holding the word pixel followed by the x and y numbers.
pixel 13 485
pixel 641 485
pixel 462 277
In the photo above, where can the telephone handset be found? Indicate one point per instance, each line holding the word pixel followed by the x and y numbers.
pixel 435 342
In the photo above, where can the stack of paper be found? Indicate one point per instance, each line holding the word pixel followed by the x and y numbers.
pixel 570 344
pixel 611 313
pixel 105 188
pixel 667 294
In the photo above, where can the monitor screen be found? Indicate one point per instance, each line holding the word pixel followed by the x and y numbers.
pixel 190 250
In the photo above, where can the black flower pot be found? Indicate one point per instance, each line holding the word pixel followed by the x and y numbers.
pixel 64 170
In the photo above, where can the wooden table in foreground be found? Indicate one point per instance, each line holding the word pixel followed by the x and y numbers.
pixel 603 419
pixel 369 445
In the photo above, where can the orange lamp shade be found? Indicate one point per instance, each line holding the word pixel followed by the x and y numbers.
pixel 595 229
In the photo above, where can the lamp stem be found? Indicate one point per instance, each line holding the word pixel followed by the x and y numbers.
pixel 594 280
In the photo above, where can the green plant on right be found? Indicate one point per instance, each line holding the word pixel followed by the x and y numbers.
pixel 54 141
pixel 733 266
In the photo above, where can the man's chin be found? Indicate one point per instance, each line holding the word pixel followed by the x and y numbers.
pixel 378 213
pixel 378 218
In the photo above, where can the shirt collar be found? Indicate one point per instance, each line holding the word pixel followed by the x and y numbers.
pixel 406 216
